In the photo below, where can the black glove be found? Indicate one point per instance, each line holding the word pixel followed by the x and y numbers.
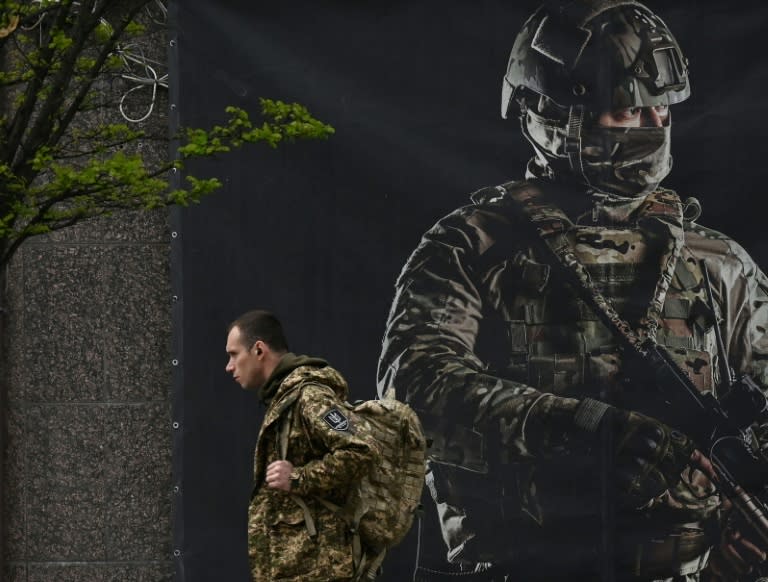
pixel 649 455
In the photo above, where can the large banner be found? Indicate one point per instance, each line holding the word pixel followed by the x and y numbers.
pixel 317 232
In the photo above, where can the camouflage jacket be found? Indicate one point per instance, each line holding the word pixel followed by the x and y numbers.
pixel 477 323
pixel 328 456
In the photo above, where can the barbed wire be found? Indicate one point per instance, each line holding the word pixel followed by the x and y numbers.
pixel 138 69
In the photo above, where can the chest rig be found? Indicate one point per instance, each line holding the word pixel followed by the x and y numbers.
pixel 554 341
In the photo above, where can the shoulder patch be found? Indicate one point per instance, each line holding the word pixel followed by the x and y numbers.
pixel 336 420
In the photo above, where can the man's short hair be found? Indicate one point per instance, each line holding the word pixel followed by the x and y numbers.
pixel 260 325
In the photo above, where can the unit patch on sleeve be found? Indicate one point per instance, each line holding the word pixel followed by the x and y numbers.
pixel 336 420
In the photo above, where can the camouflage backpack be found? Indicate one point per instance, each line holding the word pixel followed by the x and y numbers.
pixel 380 508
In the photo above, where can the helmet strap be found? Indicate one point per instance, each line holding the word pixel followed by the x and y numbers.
pixel 539 152
pixel 573 139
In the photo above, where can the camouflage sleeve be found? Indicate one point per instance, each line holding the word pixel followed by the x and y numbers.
pixel 741 291
pixel 348 452
pixel 748 324
pixel 429 348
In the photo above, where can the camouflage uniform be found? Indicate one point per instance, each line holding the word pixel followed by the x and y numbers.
pixel 328 456
pixel 477 323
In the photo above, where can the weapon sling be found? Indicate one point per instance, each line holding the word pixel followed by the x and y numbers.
pixel 557 250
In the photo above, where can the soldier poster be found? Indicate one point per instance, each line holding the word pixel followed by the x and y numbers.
pixel 319 231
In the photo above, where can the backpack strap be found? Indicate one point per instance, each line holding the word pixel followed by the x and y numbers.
pixel 282 443
pixel 365 565
pixel 359 558
pixel 352 521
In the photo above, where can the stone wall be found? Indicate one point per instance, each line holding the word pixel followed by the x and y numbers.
pixel 86 486
pixel 88 476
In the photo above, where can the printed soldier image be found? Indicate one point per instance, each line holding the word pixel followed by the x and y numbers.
pixel 308 450
pixel 587 359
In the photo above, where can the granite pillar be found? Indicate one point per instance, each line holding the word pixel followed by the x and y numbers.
pixel 87 479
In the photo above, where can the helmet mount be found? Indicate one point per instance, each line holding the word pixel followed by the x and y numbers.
pixel 601 54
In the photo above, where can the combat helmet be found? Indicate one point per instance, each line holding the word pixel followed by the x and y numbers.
pixel 576 58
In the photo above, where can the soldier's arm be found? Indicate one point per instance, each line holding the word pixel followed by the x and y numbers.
pixel 349 451
pixel 740 288
pixel 748 314
pixel 750 343
pixel 431 337
pixel 741 291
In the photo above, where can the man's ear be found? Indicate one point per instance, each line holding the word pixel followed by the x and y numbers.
pixel 258 347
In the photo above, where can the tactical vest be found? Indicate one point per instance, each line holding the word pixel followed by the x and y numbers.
pixel 553 341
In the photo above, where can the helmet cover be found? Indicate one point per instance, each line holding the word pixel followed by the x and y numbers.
pixel 592 56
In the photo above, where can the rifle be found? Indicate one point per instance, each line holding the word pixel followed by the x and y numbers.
pixel 721 429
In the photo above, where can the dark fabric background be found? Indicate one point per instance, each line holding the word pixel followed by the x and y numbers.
pixel 318 231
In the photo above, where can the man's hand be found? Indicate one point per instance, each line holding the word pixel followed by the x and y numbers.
pixel 703 464
pixel 279 475
pixel 735 555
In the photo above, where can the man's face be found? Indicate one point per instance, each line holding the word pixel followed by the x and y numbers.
pixel 657 116
pixel 246 364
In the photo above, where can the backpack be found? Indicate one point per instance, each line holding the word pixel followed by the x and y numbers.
pixel 380 509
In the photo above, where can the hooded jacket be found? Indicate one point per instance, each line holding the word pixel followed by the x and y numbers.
pixel 330 451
